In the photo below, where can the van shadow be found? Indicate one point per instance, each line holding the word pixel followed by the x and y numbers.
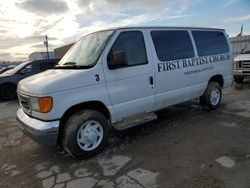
pixel 243 86
pixel 168 119
pixel 119 141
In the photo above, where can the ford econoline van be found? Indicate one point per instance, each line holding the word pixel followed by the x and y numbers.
pixel 242 65
pixel 118 78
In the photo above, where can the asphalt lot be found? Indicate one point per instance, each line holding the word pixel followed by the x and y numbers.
pixel 186 147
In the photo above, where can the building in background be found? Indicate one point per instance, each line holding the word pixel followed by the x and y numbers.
pixel 239 43
pixel 61 51
pixel 9 63
pixel 42 55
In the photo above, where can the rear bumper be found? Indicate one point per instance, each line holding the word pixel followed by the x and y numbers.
pixel 45 133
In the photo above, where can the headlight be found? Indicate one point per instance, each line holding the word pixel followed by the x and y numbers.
pixel 235 64
pixel 34 104
pixel 41 104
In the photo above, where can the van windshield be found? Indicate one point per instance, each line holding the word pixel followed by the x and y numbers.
pixel 86 52
pixel 246 50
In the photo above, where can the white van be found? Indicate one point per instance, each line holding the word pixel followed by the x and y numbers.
pixel 118 78
pixel 242 65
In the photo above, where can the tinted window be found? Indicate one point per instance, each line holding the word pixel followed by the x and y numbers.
pixel 132 44
pixel 47 65
pixel 210 42
pixel 27 69
pixel 35 67
pixel 171 45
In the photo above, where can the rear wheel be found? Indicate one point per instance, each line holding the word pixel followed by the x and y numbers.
pixel 7 92
pixel 211 98
pixel 238 79
pixel 85 134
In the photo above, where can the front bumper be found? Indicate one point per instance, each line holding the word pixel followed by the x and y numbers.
pixel 241 72
pixel 45 133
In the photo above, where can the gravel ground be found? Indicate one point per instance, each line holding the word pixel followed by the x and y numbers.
pixel 185 147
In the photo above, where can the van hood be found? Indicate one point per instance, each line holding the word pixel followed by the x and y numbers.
pixel 56 80
pixel 242 57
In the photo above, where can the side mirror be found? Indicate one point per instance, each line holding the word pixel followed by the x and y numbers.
pixel 118 60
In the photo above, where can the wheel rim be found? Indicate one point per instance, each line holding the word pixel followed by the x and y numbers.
pixel 90 135
pixel 215 96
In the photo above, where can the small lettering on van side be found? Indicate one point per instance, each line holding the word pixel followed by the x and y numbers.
pixel 192 62
pixel 198 70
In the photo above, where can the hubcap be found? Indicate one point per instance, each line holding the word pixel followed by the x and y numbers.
pixel 215 96
pixel 90 135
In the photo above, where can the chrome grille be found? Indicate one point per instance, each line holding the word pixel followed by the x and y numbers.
pixel 245 64
pixel 24 102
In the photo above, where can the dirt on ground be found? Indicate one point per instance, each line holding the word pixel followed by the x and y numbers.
pixel 185 147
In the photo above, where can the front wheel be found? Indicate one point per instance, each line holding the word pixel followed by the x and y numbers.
pixel 85 134
pixel 211 98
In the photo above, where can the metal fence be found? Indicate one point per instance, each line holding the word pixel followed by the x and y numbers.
pixel 238 43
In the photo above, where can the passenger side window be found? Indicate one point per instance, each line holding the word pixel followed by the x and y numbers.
pixel 210 42
pixel 172 45
pixel 133 46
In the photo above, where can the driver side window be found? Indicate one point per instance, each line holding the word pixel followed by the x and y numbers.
pixel 133 45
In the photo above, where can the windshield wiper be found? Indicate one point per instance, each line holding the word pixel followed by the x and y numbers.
pixel 72 65
pixel 69 63
pixel 246 52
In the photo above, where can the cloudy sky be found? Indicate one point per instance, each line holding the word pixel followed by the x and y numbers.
pixel 23 23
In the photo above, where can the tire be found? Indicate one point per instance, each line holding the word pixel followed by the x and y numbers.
pixel 7 92
pixel 211 98
pixel 85 134
pixel 238 79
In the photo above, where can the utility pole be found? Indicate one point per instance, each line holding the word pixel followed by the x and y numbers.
pixel 46 43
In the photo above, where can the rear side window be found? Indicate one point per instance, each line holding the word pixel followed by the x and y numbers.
pixel 171 45
pixel 132 43
pixel 210 42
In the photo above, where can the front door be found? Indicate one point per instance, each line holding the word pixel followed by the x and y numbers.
pixel 130 87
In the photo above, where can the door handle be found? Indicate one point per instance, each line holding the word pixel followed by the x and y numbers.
pixel 151 80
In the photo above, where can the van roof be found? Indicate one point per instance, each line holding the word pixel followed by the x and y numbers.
pixel 162 27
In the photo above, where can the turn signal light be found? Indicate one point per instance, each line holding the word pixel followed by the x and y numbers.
pixel 45 104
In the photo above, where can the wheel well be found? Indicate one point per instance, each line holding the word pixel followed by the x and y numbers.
pixel 218 79
pixel 92 105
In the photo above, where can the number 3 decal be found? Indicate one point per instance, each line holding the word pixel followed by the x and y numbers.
pixel 97 78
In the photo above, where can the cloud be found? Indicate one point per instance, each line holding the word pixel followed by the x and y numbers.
pixel 44 7
pixel 237 18
pixel 23 23
pixel 118 5
pixel 229 2
pixel 101 7
pixel 11 41
pixel 3 31
pixel 5 55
